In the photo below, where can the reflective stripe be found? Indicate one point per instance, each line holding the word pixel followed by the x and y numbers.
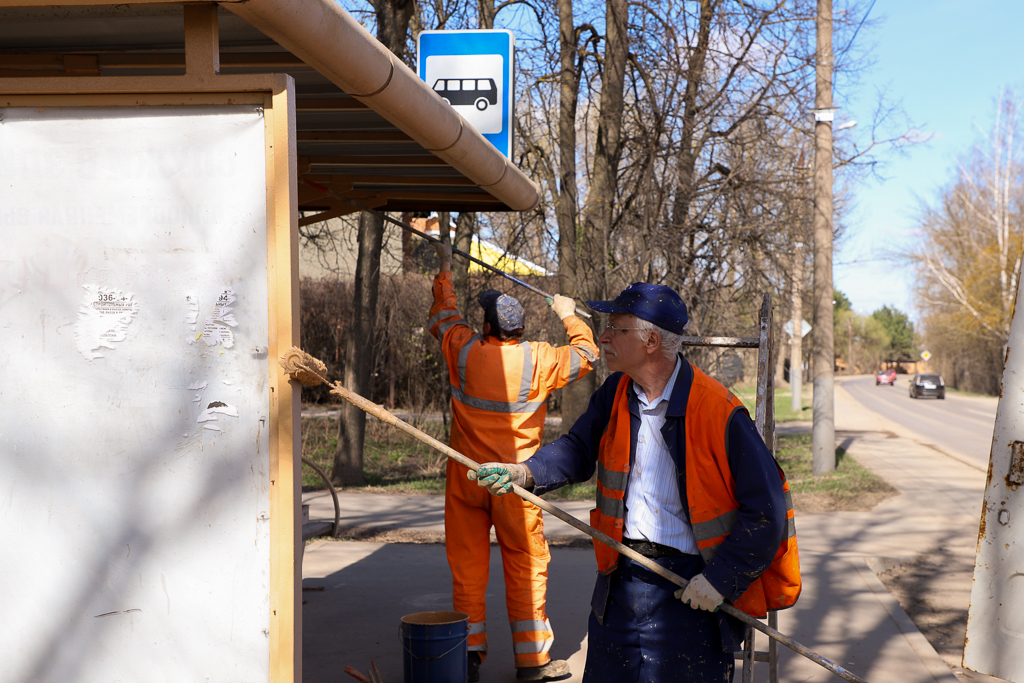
pixel 480 627
pixel 713 528
pixel 610 507
pixel 531 625
pixel 444 327
pixel 477 648
pixel 585 352
pixel 441 315
pixel 574 365
pixel 463 355
pixel 494 406
pixel 611 479
pixel 790 528
pixel 532 647
pixel 789 499
pixel 527 379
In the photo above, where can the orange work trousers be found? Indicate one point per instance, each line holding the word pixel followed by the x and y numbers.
pixel 469 513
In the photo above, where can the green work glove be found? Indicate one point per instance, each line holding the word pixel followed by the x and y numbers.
pixel 498 477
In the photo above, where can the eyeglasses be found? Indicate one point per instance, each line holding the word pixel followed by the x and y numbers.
pixel 613 329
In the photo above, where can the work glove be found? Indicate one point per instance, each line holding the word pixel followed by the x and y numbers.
pixel 563 306
pixel 498 477
pixel 700 594
pixel 444 251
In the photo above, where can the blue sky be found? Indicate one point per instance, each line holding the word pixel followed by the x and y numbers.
pixel 947 61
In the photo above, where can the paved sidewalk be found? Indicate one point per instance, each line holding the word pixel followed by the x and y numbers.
pixel 844 613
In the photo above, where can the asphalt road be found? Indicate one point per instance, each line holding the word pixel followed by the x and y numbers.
pixel 959 425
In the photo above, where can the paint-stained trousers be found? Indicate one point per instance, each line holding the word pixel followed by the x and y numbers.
pixel 469 513
pixel 648 635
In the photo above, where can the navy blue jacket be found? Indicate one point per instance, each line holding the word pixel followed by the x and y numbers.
pixel 755 538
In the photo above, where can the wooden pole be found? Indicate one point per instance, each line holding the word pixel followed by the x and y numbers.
pixel 823 432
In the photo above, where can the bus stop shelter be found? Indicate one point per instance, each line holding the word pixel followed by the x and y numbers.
pixel 155 159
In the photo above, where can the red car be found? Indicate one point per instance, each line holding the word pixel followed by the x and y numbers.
pixel 886 377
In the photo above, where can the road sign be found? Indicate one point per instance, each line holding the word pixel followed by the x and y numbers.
pixel 473 71
pixel 925 355
pixel 805 327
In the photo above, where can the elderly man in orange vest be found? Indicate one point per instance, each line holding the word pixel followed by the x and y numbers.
pixel 500 386
pixel 684 479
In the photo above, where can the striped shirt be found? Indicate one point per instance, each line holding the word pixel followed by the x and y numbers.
pixel 654 511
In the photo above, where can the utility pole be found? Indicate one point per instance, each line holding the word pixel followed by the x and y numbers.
pixel 823 433
pixel 796 354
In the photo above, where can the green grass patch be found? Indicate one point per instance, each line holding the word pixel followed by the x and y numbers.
pixel 849 487
pixel 747 392
pixel 393 461
pixel 584 491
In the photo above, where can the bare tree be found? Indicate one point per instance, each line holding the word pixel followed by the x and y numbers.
pixel 969 255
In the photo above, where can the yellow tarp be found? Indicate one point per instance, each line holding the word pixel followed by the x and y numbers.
pixel 492 255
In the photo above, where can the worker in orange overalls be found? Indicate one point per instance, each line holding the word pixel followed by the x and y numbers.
pixel 499 390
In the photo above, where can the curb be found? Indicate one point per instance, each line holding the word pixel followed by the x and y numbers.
pixel 931 660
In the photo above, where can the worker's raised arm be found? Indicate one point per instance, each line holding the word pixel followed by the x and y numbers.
pixel 444 321
pixel 558 366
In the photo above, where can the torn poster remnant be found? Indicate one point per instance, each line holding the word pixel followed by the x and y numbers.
pixel 217 328
pixel 103 319
pixel 217 408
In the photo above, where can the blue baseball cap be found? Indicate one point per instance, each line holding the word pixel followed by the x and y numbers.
pixel 658 304
pixel 502 309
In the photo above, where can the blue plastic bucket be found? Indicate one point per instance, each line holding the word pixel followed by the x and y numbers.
pixel 434 645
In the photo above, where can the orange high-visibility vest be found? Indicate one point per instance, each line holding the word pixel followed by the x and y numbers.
pixel 709 491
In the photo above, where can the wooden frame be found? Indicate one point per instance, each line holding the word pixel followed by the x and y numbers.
pixel 201 85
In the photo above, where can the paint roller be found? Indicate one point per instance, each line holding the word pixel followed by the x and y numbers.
pixel 310 371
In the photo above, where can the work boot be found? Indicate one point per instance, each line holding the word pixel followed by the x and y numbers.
pixel 473 670
pixel 554 670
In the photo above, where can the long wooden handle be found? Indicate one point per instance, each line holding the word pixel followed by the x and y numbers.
pixel 384 416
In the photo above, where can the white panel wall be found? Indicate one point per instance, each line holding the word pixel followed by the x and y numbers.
pixel 134 490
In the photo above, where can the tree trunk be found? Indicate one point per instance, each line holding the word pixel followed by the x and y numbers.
pixel 607 150
pixel 348 456
pixel 465 226
pixel 576 396
pixel 393 18
pixel 686 162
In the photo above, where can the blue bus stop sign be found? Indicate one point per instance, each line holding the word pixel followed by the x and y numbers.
pixel 472 71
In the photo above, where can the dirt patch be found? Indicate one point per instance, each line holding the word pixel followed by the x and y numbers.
pixel 814 502
pixel 934 589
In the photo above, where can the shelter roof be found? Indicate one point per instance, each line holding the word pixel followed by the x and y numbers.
pixel 367 128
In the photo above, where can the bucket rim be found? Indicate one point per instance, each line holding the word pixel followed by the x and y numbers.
pixel 438 618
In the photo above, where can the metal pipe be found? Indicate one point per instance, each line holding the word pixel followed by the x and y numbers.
pixel 430 238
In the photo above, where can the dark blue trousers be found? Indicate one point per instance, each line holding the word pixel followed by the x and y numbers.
pixel 646 635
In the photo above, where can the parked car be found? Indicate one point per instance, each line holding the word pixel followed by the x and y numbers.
pixel 927 385
pixel 886 377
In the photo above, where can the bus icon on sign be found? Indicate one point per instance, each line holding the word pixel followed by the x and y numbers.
pixel 480 92
pixel 472 72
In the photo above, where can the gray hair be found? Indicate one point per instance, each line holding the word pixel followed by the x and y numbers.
pixel 670 341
